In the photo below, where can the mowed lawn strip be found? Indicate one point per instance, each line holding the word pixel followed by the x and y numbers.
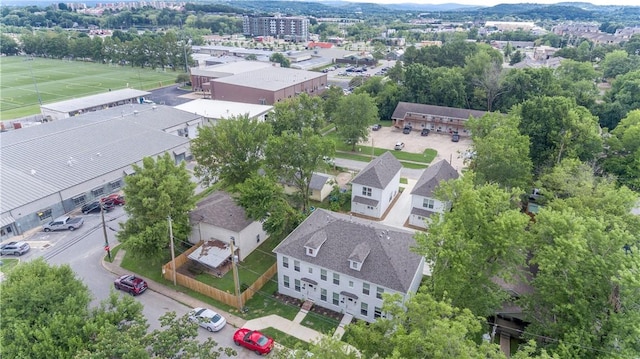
pixel 59 80
pixel 363 153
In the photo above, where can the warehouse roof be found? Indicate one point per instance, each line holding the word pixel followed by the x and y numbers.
pixel 229 68
pixel 223 109
pixel 105 98
pixel 272 79
pixel 39 161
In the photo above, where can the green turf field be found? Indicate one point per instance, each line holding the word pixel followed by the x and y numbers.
pixel 59 80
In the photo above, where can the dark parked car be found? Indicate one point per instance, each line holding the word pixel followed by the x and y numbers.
pixel 95 206
pixel 407 129
pixel 15 248
pixel 455 137
pixel 425 132
pixel 253 340
pixel 376 127
pixel 131 284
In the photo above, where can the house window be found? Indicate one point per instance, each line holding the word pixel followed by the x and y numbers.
pixel 97 192
pixel 379 292
pixel 350 284
pixel 366 191
pixel 365 288
pixel 428 203
pixel 323 274
pixel 44 214
pixel 285 281
pixel 323 295
pixel 296 266
pixel 285 262
pixel 336 278
pixel 310 270
pixel 377 312
pixel 336 298
pixel 78 200
pixel 297 285
pixel 364 309
pixel 310 251
pixel 354 265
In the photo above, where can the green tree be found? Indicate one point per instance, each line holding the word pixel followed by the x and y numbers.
pixel 354 115
pixel 480 239
pixel 422 328
pixel 280 59
pixel 297 113
pixel 623 151
pixel 264 200
pixel 8 45
pixel 293 157
pixel 158 190
pixel 331 99
pixel 500 154
pixel 520 85
pixel 586 285
pixel 231 150
pixel 558 128
pixel 618 62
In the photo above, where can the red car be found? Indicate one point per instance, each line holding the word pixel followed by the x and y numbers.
pixel 253 340
pixel 131 284
pixel 114 199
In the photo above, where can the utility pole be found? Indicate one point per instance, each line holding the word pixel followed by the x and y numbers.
pixel 104 231
pixel 173 256
pixel 236 278
pixel 35 83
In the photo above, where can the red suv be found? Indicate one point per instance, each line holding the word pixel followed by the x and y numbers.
pixel 131 284
pixel 114 199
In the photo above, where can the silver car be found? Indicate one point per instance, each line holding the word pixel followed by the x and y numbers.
pixel 15 248
pixel 207 319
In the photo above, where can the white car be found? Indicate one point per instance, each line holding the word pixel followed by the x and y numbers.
pixel 207 319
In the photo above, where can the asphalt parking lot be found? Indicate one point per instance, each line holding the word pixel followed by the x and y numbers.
pixel 387 137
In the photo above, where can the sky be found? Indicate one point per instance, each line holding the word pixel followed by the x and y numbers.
pixel 496 2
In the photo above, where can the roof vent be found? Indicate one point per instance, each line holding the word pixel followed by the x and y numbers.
pixel 33 172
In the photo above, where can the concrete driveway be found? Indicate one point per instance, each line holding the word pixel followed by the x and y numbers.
pixel 387 137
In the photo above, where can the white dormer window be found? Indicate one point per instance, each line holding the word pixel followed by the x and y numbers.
pixel 310 252
pixel 355 265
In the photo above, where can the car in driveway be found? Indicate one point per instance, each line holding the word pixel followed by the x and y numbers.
pixel 455 137
pixel 253 340
pixel 15 248
pixel 407 129
pixel 96 206
pixel 114 199
pixel 376 127
pixel 424 132
pixel 208 319
pixel 399 146
pixel 131 284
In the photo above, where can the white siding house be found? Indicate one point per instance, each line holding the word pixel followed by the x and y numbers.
pixel 345 264
pixel 218 217
pixel 375 187
pixel 320 186
pixel 423 202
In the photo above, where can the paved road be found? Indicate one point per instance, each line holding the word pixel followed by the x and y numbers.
pixel 169 96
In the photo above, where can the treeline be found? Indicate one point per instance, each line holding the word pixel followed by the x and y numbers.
pixel 154 50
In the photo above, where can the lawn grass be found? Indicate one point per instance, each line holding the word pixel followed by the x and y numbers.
pixel 8 264
pixel 285 339
pixel 362 158
pixel 59 80
pixel 264 303
pixel 344 150
pixel 320 323
pixel 404 180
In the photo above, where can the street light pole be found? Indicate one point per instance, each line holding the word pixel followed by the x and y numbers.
pixel 104 231
pixel 236 277
pixel 173 256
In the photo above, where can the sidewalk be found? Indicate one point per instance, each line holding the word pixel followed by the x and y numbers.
pixel 293 328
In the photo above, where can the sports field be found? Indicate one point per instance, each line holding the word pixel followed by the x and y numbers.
pixel 58 80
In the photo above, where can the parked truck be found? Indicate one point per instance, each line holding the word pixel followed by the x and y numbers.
pixel 62 223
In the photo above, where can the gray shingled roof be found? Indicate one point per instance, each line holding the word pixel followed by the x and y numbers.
pixel 403 107
pixel 432 176
pixel 318 180
pixel 390 262
pixel 366 201
pixel 421 212
pixel 271 79
pixel 220 210
pixel 41 160
pixel 104 98
pixel 379 172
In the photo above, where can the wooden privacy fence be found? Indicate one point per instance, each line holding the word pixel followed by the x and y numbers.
pixel 209 291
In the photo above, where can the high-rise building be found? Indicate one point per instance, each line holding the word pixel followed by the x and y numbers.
pixel 288 28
